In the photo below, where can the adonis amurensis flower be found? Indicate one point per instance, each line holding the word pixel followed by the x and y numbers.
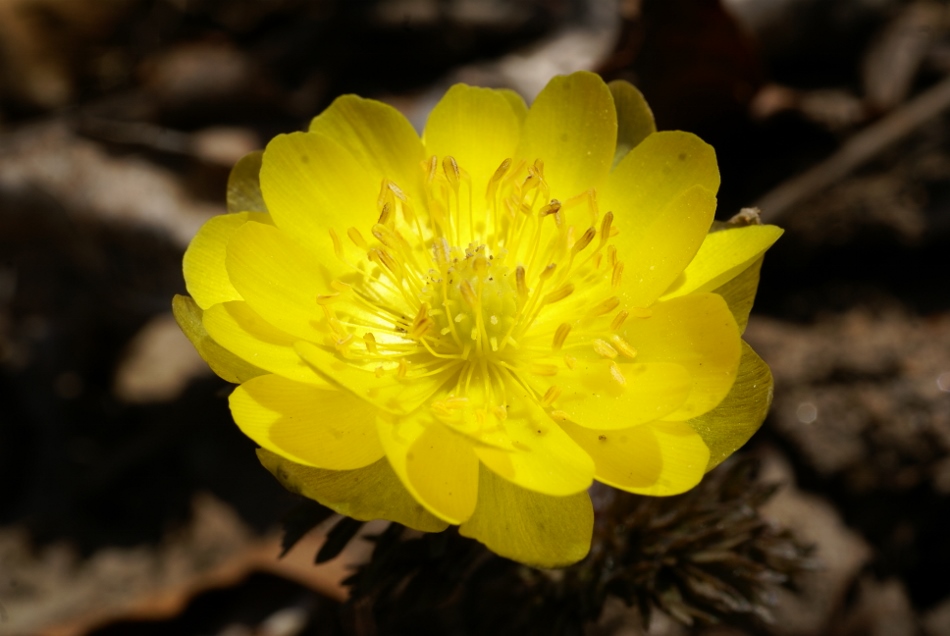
pixel 470 327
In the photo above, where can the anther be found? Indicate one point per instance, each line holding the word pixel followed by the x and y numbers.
pixel 592 205
pixel 584 240
pixel 432 168
pixel 521 285
pixel 558 294
pixel 370 341
pixel 560 416
pixel 379 371
pixel 385 235
pixel 468 294
pixel 550 208
pixel 617 374
pixel 501 412
pixel 548 271
pixel 357 238
pixel 452 172
pixel 337 245
pixel 327 299
pixel 550 396
pixel 539 168
pixel 618 320
pixel 641 312
pixel 403 368
pixel 570 362
pixel 612 255
pixel 560 335
pixel 605 227
pixel 604 307
pixel 385 214
pixel 340 286
pixel 480 264
pixel 500 172
pixel 624 347
pixel 538 368
pixel 603 348
pixel 396 190
pixel 617 275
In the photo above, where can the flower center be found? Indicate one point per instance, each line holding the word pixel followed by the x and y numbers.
pixel 484 287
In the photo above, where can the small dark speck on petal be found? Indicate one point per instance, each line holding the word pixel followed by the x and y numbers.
pixel 682 156
pixel 306 158
pixel 602 438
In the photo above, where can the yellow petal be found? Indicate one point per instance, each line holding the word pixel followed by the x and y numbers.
pixel 240 330
pixel 739 293
pixel 278 278
pixel 312 184
pixel 225 364
pixel 572 128
pixel 534 529
pixel 730 425
pixel 378 136
pixel 479 128
pixel 244 185
pixel 544 458
pixel 634 117
pixel 323 428
pixel 722 256
pixel 434 463
pixel 204 264
pixel 698 333
pixel 387 391
pixel 372 492
pixel 611 395
pixel 657 459
pixel 657 171
pixel 655 258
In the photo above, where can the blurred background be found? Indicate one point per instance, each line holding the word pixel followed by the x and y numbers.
pixel 131 504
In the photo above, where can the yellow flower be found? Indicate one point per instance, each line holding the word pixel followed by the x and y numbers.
pixel 470 327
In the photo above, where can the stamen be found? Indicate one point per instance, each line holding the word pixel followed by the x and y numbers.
pixel 340 286
pixel 385 214
pixel 550 396
pixel 326 299
pixel 603 348
pixel 370 340
pixel 570 362
pixel 337 245
pixel 558 294
pixel 560 335
pixel 617 275
pixel 468 294
pixel 592 205
pixel 357 238
pixel 617 374
pixel 604 307
pixel 522 286
pixel 605 227
pixel 560 416
pixel 624 347
pixel 584 240
pixel 452 172
pixel 618 320
pixel 403 368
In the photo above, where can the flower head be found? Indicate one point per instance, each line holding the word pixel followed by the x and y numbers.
pixel 470 327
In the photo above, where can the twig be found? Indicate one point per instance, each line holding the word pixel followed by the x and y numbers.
pixel 859 149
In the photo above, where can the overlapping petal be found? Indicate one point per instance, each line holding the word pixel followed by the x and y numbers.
pixel 529 527
pixel 699 333
pixel 740 414
pixel 206 276
pixel 437 465
pixel 242 331
pixel 659 458
pixel 634 117
pixel 319 427
pixel 572 128
pixel 544 459
pixel 372 492
pixel 223 362
pixel 722 256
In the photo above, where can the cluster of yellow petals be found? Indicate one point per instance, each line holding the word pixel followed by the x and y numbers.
pixel 470 327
